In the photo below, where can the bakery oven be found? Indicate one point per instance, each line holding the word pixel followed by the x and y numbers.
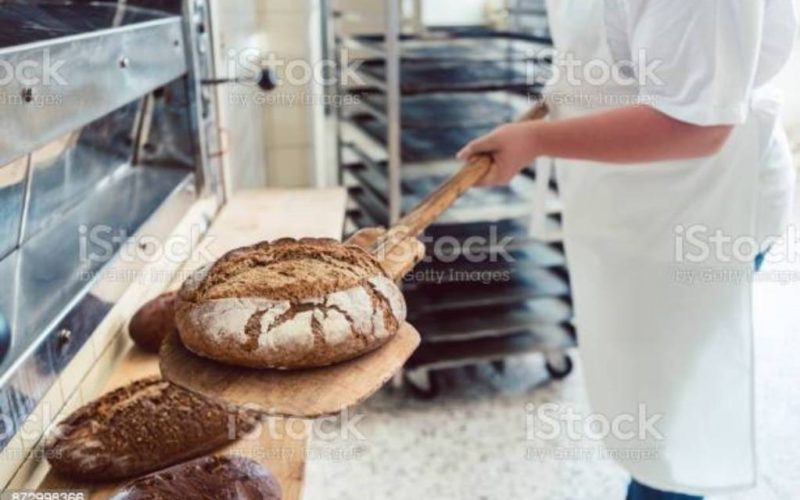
pixel 106 130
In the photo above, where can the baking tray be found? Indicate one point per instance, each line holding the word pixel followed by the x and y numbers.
pixel 373 210
pixel 440 109
pixel 511 235
pixel 520 265
pixel 436 355
pixel 463 43
pixel 22 24
pixel 494 262
pixel 496 321
pixel 522 286
pixel 423 145
pixel 358 219
pixel 479 204
pixel 449 76
pixel 515 230
pixel 376 213
pixel 488 268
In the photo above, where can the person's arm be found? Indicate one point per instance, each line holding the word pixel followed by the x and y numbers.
pixel 634 134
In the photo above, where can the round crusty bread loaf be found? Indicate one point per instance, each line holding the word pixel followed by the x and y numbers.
pixel 289 304
pixel 207 478
pixel 142 427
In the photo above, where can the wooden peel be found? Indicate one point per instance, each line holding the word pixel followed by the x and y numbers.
pixel 301 393
pixel 323 391
pixel 296 393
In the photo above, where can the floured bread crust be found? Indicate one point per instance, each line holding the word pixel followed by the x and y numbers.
pixel 289 304
pixel 142 427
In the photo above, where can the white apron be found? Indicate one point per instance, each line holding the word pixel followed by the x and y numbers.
pixel 653 343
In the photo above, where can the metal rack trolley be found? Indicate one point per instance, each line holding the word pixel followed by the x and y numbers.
pixel 423 93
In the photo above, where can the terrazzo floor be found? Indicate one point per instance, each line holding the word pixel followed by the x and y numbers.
pixel 470 443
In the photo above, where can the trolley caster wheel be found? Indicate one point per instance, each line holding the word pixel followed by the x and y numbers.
pixel 423 385
pixel 559 368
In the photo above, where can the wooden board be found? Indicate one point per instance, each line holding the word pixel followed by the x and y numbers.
pixel 303 393
pixel 249 217
pixel 297 393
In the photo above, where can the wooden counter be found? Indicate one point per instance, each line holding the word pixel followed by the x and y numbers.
pixel 249 217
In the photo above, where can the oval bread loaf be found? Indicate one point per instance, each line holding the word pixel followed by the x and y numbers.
pixel 208 478
pixel 289 304
pixel 142 427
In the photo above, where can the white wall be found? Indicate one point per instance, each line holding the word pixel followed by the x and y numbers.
pixel 271 140
pixel 243 125
pixel 454 12
pixel 293 37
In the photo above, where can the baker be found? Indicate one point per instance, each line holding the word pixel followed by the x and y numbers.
pixel 664 126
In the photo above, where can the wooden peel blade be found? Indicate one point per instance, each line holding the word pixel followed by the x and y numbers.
pixel 306 393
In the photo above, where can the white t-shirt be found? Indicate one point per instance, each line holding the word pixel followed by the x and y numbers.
pixel 715 59
pixel 710 55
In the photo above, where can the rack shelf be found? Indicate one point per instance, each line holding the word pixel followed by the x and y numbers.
pixel 520 286
pixel 132 54
pixel 477 205
pixel 463 43
pixel 423 95
pixel 547 316
pixel 451 76
pixel 440 355
pixel 445 110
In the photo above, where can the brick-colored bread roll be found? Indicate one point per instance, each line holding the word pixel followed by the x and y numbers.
pixel 289 304
pixel 153 322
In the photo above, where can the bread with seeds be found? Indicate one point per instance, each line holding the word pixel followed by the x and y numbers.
pixel 142 427
pixel 289 304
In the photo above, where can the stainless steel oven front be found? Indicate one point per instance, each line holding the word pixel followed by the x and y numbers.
pixel 104 127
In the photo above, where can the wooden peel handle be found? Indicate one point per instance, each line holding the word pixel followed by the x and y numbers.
pixel 434 205
pixel 416 221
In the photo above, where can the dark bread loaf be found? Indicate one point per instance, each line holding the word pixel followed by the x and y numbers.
pixel 289 304
pixel 142 427
pixel 153 322
pixel 207 478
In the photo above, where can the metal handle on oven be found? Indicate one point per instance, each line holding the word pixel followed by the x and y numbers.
pixel 267 80
pixel 5 337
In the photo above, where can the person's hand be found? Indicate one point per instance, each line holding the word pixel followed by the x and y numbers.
pixel 512 147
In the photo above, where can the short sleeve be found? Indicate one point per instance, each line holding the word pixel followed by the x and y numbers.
pixel 696 60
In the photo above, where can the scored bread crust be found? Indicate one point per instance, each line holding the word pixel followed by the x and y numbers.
pixel 144 426
pixel 289 304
